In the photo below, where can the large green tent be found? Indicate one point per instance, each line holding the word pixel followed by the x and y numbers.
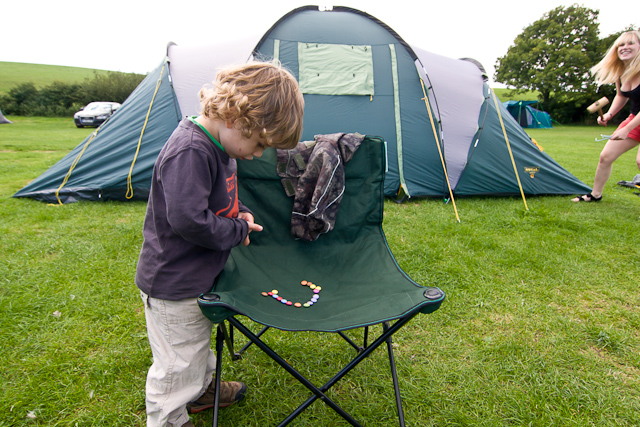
pixel 357 75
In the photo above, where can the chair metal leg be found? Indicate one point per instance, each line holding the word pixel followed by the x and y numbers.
pixel 350 341
pixel 228 339
pixel 366 337
pixel 394 376
pixel 386 334
pixel 318 394
pixel 259 334
pixel 220 336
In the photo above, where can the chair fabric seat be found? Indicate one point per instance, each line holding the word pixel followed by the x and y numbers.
pixel 361 283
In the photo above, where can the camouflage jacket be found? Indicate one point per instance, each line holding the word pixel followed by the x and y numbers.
pixel 313 173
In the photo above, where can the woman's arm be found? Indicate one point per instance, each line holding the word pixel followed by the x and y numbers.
pixel 619 101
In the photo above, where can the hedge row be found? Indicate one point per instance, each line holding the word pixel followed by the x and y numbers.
pixel 63 99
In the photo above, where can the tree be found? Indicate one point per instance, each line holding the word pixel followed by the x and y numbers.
pixel 64 99
pixel 111 86
pixel 20 99
pixel 61 94
pixel 554 54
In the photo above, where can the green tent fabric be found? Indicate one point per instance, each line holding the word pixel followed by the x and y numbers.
pixel 358 75
pixel 99 167
pixel 360 280
pixel 459 98
pixel 537 170
pixel 361 283
pixel 527 116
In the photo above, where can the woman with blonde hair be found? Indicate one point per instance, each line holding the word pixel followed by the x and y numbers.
pixel 620 65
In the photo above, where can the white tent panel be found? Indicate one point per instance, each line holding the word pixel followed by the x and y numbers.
pixel 192 67
pixel 458 89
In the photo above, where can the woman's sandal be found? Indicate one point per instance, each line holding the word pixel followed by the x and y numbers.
pixel 587 198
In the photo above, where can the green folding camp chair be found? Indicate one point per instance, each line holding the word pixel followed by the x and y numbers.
pixel 361 283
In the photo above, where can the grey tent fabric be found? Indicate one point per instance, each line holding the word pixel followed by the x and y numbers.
pixel 192 67
pixel 455 126
pixel 457 80
pixel 458 99
pixel 3 119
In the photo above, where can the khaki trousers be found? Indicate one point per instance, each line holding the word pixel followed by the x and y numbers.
pixel 183 363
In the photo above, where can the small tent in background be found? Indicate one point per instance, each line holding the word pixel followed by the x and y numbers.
pixel 3 119
pixel 527 116
pixel 357 75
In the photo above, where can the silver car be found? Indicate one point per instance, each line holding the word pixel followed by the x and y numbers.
pixel 95 113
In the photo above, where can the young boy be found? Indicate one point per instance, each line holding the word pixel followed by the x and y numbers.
pixel 193 220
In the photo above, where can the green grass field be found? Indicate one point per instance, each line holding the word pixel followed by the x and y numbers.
pixel 15 73
pixel 540 326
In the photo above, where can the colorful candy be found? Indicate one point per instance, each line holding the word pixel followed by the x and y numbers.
pixel 314 298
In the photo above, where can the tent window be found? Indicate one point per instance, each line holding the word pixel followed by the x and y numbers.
pixel 335 69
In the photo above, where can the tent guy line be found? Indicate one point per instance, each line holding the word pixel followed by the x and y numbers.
pixel 359 76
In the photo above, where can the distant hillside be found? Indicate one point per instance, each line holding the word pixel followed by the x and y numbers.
pixel 15 73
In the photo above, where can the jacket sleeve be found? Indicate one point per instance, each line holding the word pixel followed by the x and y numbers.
pixel 187 181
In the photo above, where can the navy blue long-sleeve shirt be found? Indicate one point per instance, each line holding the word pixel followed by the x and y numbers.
pixel 191 221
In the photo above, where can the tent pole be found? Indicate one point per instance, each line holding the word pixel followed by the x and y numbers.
pixel 435 135
pixel 506 138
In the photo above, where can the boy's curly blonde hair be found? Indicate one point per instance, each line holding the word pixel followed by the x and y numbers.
pixel 257 96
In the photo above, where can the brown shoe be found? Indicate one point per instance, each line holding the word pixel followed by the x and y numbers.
pixel 230 393
pixel 188 424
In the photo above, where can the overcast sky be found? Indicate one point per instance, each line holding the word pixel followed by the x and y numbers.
pixel 131 35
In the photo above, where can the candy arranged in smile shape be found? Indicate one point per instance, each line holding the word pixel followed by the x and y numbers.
pixel 313 300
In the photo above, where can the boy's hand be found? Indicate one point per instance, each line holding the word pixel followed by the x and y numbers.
pixel 252 225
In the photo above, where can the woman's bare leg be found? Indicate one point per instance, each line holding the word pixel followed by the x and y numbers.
pixel 610 153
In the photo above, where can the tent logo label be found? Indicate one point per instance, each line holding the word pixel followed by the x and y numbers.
pixel 531 170
pixel 458 99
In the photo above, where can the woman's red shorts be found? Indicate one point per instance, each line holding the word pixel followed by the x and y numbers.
pixel 635 132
